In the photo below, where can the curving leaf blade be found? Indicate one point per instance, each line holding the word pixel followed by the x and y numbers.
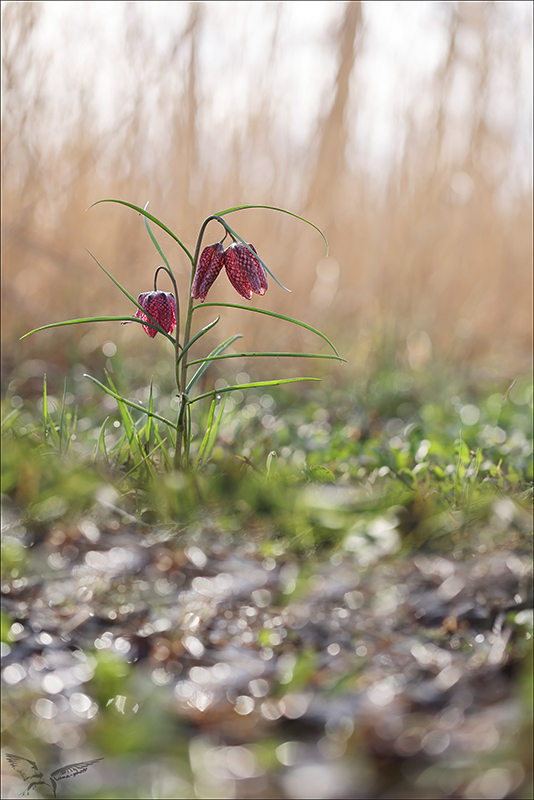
pixel 271 314
pixel 254 385
pixel 207 361
pixel 275 208
pixel 151 217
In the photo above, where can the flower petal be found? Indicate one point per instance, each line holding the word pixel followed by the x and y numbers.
pixel 161 306
pixel 209 265
pixel 235 269
pixel 262 277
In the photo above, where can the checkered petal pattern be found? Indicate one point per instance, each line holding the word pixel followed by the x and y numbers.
pixel 244 270
pixel 209 265
pixel 162 307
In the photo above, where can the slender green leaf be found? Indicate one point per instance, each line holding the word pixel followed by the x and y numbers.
pixel 9 417
pixel 136 446
pixel 62 419
pixel 205 440
pixel 457 473
pixel 143 449
pixel 210 437
pixel 50 430
pixel 164 450
pixel 45 409
pixel 149 416
pixel 101 443
pixel 274 208
pixel 270 314
pixel 207 361
pixel 134 301
pixel 215 429
pixel 189 435
pixel 251 386
pixel 118 448
pixel 129 402
pixel 157 245
pixel 237 236
pixel 72 431
pixel 268 355
pixel 101 319
pixel 153 219
pixel 144 461
pixel 197 336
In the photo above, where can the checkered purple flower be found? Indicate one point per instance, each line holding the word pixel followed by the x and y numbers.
pixel 209 265
pixel 161 306
pixel 245 271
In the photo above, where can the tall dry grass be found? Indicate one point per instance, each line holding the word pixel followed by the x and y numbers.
pixel 432 258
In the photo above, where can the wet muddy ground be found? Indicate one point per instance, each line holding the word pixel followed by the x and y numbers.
pixel 201 663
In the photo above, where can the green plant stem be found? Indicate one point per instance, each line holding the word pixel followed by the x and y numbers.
pixel 177 343
pixel 189 317
pixel 181 369
pixel 181 434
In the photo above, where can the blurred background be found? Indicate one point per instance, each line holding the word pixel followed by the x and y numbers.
pixel 403 130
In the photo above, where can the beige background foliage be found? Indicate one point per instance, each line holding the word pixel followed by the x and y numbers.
pixel 430 254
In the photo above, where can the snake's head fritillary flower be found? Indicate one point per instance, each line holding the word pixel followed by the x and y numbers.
pixel 244 270
pixel 209 265
pixel 161 306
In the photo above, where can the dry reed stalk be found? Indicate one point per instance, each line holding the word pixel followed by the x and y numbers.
pixel 432 249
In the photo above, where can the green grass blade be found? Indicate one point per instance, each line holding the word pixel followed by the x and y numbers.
pixel 215 429
pixel 134 439
pixel 270 314
pixel 268 355
pixel 457 473
pixel 207 361
pixel 118 448
pixel 144 461
pixel 197 336
pixel 101 443
pixel 45 409
pixel 254 385
pixel 274 208
pixel 188 441
pixel 72 432
pixel 100 319
pixel 50 431
pixel 9 417
pixel 206 438
pixel 475 463
pixel 161 443
pixel 153 219
pixel 148 431
pixel 136 447
pixel 129 402
pixel 212 430
pixel 62 418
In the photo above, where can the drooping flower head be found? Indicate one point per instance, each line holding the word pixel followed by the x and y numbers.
pixel 161 306
pixel 245 271
pixel 209 265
